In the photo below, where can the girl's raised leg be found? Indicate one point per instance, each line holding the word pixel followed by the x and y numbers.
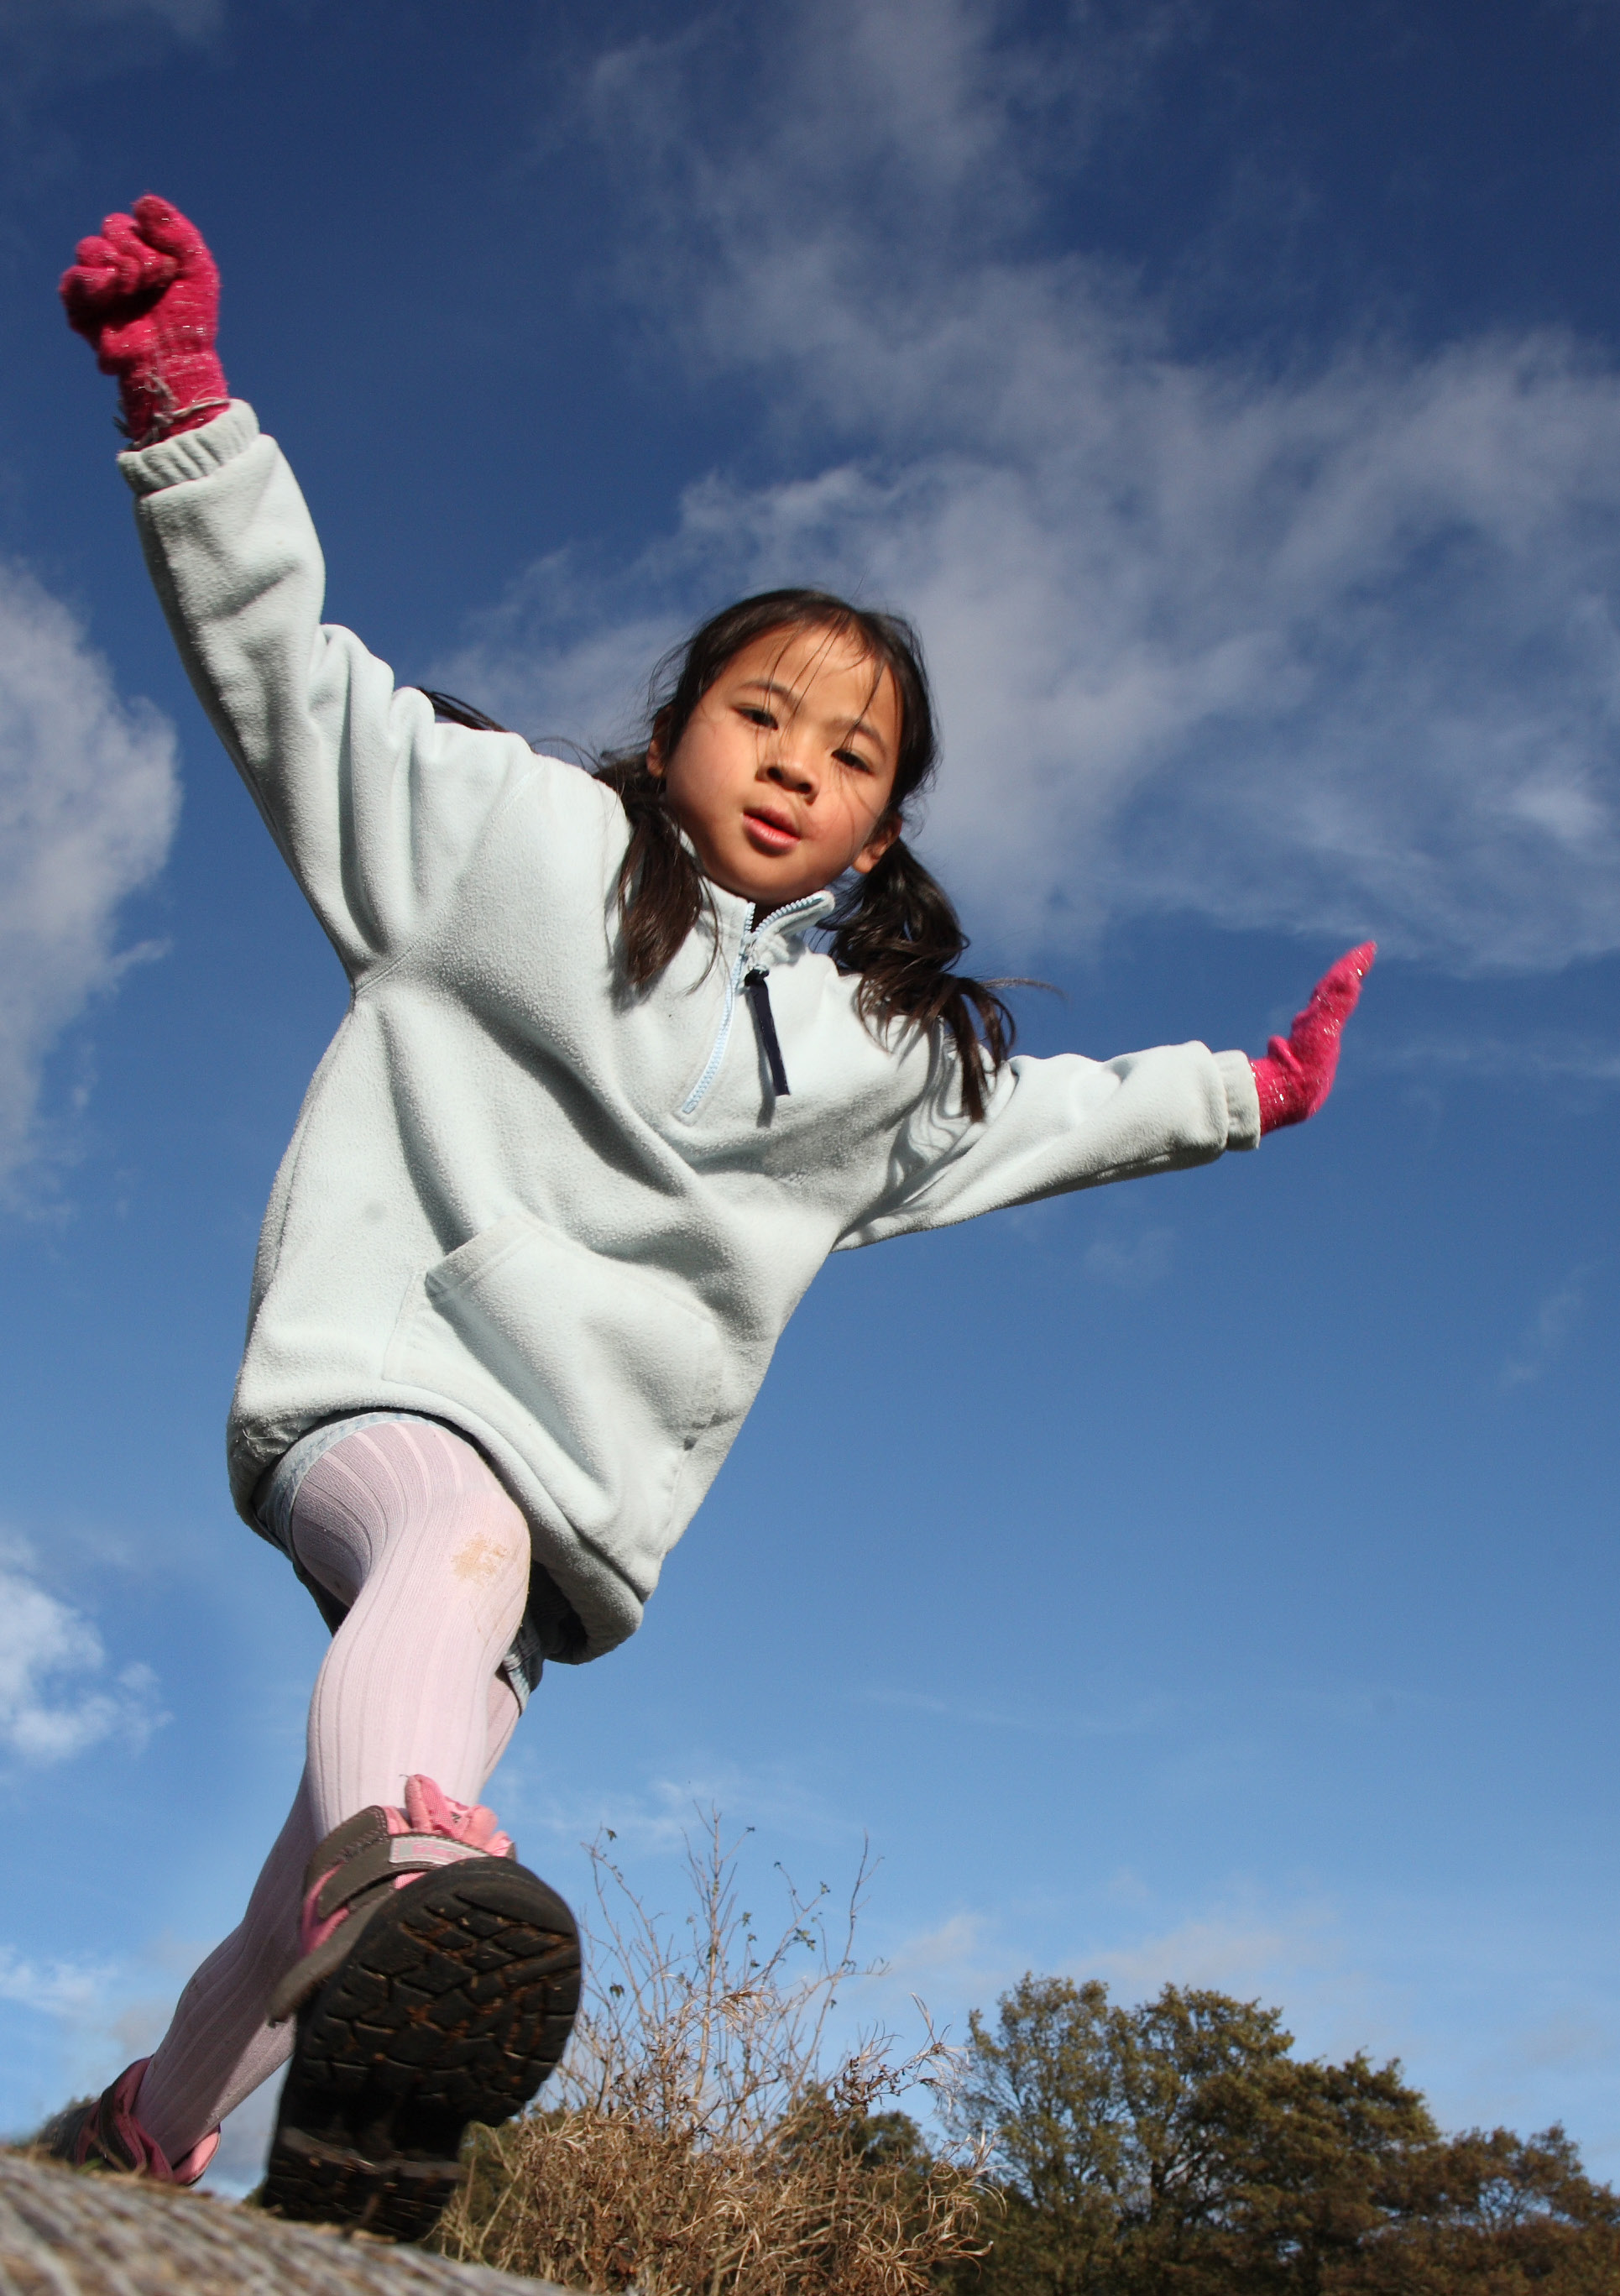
pixel 406 1523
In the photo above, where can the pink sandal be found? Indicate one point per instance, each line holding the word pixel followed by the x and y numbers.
pixel 102 2132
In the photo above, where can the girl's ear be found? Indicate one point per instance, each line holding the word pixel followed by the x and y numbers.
pixel 656 759
pixel 877 845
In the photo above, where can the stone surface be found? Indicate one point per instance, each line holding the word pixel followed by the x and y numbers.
pixel 67 2233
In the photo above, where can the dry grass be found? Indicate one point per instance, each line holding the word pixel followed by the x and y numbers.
pixel 698 2142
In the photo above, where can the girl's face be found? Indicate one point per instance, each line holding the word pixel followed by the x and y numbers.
pixel 783 776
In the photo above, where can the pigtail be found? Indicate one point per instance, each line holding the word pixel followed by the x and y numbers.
pixel 450 710
pixel 899 931
pixel 660 891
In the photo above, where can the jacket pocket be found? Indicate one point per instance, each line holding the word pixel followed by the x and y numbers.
pixel 597 1376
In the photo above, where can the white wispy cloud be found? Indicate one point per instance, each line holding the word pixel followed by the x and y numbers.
pixel 666 1815
pixel 1330 648
pixel 56 1699
pixel 57 1988
pixel 1548 1332
pixel 1237 1949
pixel 1562 1060
pixel 1131 1260
pixel 88 801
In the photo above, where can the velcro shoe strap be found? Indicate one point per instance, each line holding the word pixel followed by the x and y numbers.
pixel 305 1976
pixel 396 1854
pixel 102 2143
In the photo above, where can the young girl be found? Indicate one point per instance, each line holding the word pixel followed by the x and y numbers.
pixel 595 1116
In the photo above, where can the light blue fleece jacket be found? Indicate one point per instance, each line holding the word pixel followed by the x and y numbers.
pixel 569 1220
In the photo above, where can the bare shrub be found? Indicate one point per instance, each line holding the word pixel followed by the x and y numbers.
pixel 697 2140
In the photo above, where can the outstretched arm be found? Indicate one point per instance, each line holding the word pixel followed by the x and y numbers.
pixel 1068 1122
pixel 144 292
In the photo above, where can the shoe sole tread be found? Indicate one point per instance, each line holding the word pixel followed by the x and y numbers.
pixel 454 2004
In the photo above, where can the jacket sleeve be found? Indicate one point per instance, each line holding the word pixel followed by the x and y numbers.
pixel 375 807
pixel 1057 1124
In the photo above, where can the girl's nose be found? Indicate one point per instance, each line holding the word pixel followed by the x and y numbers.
pixel 791 773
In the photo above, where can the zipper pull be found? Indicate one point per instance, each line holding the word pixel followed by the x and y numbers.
pixel 758 990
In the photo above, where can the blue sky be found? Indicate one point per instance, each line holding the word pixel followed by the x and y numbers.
pixel 1213 1579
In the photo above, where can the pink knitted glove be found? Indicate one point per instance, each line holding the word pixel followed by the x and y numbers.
pixel 145 292
pixel 1297 1074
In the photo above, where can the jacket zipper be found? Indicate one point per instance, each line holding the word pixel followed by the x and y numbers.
pixel 745 975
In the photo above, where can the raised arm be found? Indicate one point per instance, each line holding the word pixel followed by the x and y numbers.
pixel 374 806
pixel 1068 1122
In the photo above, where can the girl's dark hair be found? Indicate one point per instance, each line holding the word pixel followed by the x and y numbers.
pixel 895 926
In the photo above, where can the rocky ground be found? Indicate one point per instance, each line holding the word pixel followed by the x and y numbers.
pixel 63 2233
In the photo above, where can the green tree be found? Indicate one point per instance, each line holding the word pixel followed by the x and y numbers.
pixel 1496 2215
pixel 1179 2149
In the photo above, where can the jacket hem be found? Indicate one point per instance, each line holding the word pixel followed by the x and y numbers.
pixel 607 1605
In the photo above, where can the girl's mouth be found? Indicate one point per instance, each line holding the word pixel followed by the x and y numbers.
pixel 769 832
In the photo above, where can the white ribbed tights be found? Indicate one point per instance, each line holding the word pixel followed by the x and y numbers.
pixel 405 1523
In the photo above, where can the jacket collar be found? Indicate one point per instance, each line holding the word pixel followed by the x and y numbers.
pixel 774 937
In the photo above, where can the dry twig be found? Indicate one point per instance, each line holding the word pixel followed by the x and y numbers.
pixel 698 2142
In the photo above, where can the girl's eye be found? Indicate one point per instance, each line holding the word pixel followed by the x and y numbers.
pixel 758 717
pixel 853 758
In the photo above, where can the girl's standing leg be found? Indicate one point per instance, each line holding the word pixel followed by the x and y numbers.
pixel 406 1524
